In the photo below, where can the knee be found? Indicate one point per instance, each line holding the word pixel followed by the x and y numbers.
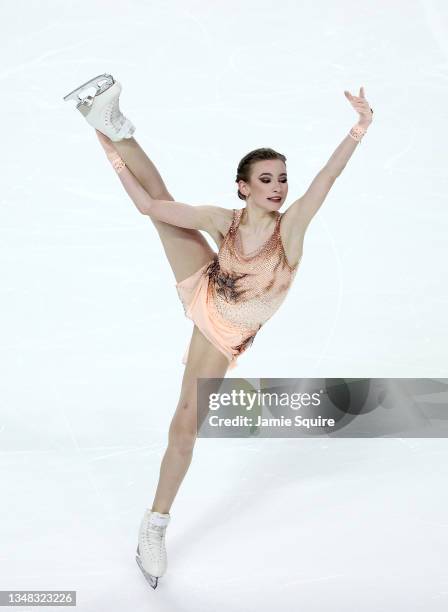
pixel 182 432
pixel 182 440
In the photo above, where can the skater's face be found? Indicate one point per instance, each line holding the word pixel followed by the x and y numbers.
pixel 267 180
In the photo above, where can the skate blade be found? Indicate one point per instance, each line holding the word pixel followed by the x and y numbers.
pixel 102 82
pixel 151 579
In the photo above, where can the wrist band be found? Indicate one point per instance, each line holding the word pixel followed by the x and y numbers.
pixel 357 132
pixel 117 163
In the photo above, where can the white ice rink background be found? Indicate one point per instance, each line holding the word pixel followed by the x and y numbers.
pixel 92 332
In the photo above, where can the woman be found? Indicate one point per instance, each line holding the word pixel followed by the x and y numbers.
pixel 228 295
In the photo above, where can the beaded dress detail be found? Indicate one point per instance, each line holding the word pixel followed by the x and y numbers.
pixel 232 296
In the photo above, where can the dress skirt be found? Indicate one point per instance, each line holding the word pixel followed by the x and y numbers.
pixel 199 306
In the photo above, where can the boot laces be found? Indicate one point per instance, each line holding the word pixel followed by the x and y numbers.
pixel 153 538
pixel 115 116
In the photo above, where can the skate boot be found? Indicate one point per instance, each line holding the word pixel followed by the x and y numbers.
pixel 102 110
pixel 151 552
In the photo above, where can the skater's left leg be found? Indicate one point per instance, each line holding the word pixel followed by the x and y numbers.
pixel 204 361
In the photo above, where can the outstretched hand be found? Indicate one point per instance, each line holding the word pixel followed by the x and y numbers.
pixel 361 106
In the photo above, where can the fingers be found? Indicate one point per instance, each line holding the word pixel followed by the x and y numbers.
pixel 360 98
pixel 356 102
pixel 359 103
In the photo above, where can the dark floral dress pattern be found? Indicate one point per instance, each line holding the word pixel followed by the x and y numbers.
pixel 225 285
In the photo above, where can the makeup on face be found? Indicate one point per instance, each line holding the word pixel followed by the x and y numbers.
pixel 278 195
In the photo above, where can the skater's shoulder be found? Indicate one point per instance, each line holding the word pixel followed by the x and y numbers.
pixel 222 218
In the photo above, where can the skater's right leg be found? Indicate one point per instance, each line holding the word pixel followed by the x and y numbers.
pixel 186 249
pixel 142 168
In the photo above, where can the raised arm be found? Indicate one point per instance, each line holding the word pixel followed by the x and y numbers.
pixel 183 215
pixel 299 214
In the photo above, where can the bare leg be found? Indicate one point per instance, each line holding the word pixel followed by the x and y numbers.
pixel 186 249
pixel 204 361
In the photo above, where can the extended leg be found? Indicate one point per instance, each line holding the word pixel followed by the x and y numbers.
pixel 186 249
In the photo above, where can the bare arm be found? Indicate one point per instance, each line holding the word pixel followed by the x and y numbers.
pixel 205 218
pixel 301 212
pixel 175 213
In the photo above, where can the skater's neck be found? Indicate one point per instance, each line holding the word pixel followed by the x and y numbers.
pixel 257 220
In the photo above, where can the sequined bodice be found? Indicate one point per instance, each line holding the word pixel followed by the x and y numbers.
pixel 248 288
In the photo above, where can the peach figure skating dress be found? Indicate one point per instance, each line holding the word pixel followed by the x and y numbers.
pixel 233 295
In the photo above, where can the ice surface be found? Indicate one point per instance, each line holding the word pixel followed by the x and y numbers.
pixel 92 332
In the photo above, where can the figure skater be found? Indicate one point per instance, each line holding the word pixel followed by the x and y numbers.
pixel 229 294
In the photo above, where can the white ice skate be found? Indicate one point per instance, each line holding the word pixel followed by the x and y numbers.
pixel 102 110
pixel 151 552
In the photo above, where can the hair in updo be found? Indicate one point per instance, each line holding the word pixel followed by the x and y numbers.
pixel 245 165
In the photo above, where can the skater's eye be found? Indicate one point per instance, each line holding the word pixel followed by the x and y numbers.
pixel 268 180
